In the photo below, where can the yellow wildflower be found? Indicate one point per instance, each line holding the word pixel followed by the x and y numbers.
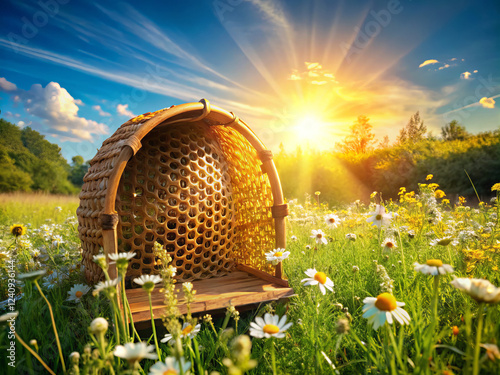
pixel 496 187
pixel 18 230
pixel 429 177
pixel 433 186
pixel 439 194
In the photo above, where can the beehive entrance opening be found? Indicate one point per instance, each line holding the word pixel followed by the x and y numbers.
pixel 177 191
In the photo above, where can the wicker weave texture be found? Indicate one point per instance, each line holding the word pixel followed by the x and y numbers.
pixel 195 188
pixel 177 191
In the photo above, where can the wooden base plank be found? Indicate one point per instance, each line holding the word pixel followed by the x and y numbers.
pixel 238 288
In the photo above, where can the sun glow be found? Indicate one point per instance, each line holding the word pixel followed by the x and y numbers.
pixel 309 127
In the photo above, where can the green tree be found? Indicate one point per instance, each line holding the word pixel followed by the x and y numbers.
pixel 78 170
pixel 11 177
pixel 453 130
pixel 413 132
pixel 30 162
pixel 360 139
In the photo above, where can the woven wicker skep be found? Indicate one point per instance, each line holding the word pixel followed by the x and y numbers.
pixel 195 187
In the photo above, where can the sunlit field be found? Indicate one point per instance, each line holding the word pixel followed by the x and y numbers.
pixel 371 304
pixel 36 209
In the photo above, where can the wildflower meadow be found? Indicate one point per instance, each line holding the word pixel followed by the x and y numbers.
pixel 382 287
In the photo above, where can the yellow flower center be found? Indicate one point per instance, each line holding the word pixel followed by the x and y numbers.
pixel 320 277
pixel 389 244
pixel 331 220
pixel 434 262
pixel 378 217
pixel 17 230
pixel 278 254
pixel 271 329
pixel 319 235
pixel 170 372
pixel 386 302
pixel 79 294
pixel 187 330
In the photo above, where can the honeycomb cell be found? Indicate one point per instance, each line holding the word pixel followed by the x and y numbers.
pixel 188 192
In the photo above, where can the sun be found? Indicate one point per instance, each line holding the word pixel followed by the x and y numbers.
pixel 309 127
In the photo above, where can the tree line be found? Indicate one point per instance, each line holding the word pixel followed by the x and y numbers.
pixel 357 166
pixel 28 162
pixel 360 164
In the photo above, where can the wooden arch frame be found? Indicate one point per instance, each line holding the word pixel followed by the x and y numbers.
pixel 191 112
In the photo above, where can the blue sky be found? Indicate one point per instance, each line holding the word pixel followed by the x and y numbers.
pixel 298 72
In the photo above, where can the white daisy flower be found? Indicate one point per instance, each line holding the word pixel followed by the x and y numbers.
pixel 379 217
pixel 120 258
pixel 277 256
pixel 433 267
pixel 134 352
pixel 187 331
pixel 57 240
pixel 384 308
pixel 55 278
pixel 318 278
pixel 32 276
pixel 293 238
pixel 479 289
pixel 269 326
pixel 332 220
pixel 170 367
pixel 77 292
pixel 319 236
pixel 100 259
pixel 108 285
pixel 148 282
pixel 389 244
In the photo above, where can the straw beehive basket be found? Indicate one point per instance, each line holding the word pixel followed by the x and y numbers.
pixel 192 177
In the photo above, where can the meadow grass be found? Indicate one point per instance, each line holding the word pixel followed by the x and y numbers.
pixel 329 334
pixel 36 208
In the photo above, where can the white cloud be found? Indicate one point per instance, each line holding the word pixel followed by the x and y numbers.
pixel 121 109
pixel 428 62
pixel 445 66
pixel 313 65
pixel 487 102
pixel 314 74
pixel 59 111
pixel 465 75
pixel 78 102
pixel 6 85
pixel 475 71
pixel 101 111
